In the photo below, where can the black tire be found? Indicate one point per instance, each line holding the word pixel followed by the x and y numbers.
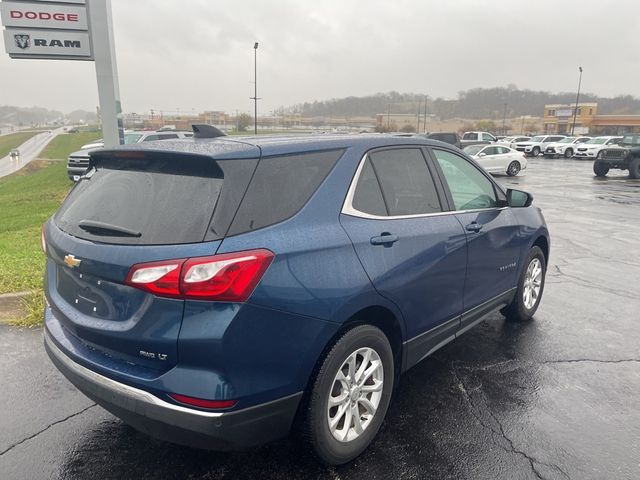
pixel 568 153
pixel 517 311
pixel 513 169
pixel 316 421
pixel 600 169
pixel 634 168
pixel 535 152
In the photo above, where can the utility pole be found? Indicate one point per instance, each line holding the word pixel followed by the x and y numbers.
pixel 575 111
pixel 425 113
pixel 504 120
pixel 418 126
pixel 255 88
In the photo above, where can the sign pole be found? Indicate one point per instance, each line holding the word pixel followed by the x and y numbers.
pixel 100 26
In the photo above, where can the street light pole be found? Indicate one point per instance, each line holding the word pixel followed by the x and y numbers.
pixel 255 88
pixel 575 111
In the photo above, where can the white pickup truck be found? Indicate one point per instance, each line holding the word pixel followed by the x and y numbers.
pixel 477 138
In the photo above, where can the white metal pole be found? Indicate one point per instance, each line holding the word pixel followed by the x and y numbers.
pixel 99 12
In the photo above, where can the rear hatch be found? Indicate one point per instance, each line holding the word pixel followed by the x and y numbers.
pixel 135 207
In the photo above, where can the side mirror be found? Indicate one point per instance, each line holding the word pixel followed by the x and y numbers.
pixel 482 154
pixel 518 198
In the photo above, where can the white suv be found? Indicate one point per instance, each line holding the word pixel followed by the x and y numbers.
pixel 537 144
pixel 590 149
pixel 565 147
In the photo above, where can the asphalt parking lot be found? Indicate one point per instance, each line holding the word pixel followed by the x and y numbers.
pixel 554 398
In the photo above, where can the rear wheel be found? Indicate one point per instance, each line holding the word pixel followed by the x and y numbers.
pixel 634 168
pixel 530 288
pixel 568 153
pixel 600 169
pixel 535 152
pixel 350 395
pixel 513 169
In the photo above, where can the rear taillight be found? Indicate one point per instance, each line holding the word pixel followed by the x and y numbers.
pixel 202 403
pixel 159 278
pixel 229 277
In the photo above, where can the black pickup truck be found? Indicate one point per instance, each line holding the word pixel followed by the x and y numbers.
pixel 624 156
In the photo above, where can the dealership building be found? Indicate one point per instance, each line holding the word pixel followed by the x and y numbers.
pixel 559 118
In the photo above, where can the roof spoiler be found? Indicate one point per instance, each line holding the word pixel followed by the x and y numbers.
pixel 202 130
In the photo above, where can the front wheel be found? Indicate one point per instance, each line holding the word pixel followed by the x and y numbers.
pixel 513 169
pixel 529 289
pixel 634 168
pixel 350 395
pixel 600 169
pixel 568 153
pixel 535 152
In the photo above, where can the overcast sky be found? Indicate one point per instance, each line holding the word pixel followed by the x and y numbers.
pixel 198 54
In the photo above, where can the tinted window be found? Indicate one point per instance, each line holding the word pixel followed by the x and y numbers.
pixel 166 136
pixel 469 188
pixel 407 185
pixel 163 200
pixel 470 136
pixel 502 150
pixel 487 137
pixel 367 197
pixel 150 138
pixel 491 151
pixel 280 187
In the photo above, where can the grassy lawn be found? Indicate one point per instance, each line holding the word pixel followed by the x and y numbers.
pixel 64 144
pixel 28 198
pixel 14 140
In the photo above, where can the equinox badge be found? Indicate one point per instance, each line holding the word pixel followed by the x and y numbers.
pixel 71 260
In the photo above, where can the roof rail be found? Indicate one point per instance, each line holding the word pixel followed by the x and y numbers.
pixel 202 130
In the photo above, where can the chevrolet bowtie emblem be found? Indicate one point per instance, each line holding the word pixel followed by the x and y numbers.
pixel 71 261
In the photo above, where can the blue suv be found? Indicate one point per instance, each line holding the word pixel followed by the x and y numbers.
pixel 214 291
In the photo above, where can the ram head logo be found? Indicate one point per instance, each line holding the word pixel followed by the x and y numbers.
pixel 22 41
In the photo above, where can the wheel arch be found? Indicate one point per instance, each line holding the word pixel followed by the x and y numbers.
pixel 543 243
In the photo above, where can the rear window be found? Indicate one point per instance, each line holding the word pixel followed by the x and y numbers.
pixel 159 201
pixel 281 186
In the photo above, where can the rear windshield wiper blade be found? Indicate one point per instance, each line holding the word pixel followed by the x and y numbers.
pixel 107 228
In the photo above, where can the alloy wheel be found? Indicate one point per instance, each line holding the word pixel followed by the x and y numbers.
pixel 355 394
pixel 532 284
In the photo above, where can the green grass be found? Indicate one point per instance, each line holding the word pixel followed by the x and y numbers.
pixel 14 140
pixel 28 198
pixel 64 144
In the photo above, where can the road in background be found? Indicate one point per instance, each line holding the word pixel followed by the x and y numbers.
pixel 29 151
pixel 552 398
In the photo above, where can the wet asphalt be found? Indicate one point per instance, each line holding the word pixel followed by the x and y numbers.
pixel 554 398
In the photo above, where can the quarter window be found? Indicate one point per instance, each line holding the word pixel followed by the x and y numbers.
pixel 469 188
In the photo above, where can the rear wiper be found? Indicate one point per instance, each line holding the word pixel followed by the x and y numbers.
pixel 107 228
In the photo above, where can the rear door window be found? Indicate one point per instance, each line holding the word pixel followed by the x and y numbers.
pixel 406 182
pixel 280 187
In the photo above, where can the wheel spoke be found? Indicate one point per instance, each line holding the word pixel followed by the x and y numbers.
pixel 363 366
pixel 357 421
pixel 352 368
pixel 376 387
pixel 348 420
pixel 365 376
pixel 368 405
pixel 333 401
pixel 342 410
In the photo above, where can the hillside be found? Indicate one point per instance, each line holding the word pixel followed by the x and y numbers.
pixel 474 103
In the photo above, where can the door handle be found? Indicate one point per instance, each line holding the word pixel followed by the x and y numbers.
pixel 385 238
pixel 474 227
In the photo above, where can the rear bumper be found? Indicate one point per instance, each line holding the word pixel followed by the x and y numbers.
pixel 166 421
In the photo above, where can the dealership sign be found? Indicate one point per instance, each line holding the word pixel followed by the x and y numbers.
pixel 51 30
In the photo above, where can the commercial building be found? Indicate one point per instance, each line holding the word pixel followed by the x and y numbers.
pixel 558 118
